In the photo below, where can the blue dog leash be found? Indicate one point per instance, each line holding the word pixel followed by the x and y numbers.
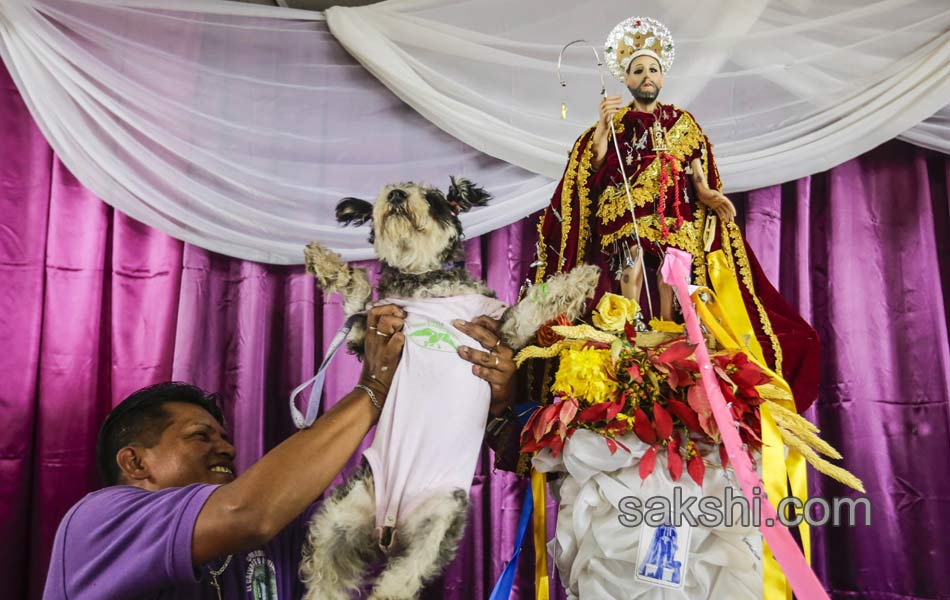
pixel 316 392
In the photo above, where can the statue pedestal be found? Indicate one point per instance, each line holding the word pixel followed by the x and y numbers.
pixel 596 553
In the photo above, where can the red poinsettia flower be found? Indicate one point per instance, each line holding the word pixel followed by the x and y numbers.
pixel 613 444
pixel 737 369
pixel 744 415
pixel 643 427
pixel 696 468
pixel 630 332
pixel 567 412
pixel 617 427
pixel 673 459
pixel 543 420
pixel 634 372
pixel 647 462
pixel 684 413
pixel 663 421
pixel 699 402
pixel 604 411
pixel 546 421
pixel 723 456
pixel 676 363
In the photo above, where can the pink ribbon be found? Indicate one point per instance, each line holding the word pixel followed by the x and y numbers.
pixel 805 584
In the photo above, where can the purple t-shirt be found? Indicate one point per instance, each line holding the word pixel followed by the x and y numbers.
pixel 125 542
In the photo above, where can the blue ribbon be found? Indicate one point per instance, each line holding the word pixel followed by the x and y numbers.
pixel 502 590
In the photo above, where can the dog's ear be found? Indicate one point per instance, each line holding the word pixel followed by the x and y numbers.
pixel 353 211
pixel 463 195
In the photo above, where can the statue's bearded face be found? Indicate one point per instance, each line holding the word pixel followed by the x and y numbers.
pixel 644 78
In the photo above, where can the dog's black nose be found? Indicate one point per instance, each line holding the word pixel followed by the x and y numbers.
pixel 397 196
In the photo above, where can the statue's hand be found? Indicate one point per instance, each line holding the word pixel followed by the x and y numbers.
pixel 718 202
pixel 609 106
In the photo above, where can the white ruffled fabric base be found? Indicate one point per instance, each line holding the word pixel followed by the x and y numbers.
pixel 596 555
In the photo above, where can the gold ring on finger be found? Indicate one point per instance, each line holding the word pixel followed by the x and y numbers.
pixel 496 360
pixel 383 334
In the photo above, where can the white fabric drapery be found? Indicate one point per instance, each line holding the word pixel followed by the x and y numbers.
pixel 596 555
pixel 232 131
pixel 238 127
pixel 783 89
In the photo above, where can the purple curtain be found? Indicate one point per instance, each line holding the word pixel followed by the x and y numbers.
pixel 94 305
pixel 863 251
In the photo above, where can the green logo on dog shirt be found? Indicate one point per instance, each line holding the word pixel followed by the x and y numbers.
pixel 433 335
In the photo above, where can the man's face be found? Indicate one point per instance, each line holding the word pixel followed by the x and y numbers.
pixel 194 448
pixel 644 78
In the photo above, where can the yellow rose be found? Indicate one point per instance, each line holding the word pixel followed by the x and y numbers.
pixel 613 312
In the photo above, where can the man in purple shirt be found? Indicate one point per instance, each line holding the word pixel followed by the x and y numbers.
pixel 175 522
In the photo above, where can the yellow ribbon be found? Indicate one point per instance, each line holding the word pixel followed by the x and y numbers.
pixel 730 306
pixel 725 316
pixel 539 494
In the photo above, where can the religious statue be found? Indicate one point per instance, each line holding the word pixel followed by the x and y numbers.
pixel 673 190
pixel 640 181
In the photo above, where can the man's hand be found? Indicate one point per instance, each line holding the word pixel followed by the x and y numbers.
pixel 495 364
pixel 383 347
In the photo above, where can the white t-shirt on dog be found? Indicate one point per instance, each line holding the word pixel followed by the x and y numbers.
pixel 430 432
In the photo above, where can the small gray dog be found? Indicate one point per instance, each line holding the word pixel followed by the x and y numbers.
pixel 409 505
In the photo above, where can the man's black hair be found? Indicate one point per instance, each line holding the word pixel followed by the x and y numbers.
pixel 141 419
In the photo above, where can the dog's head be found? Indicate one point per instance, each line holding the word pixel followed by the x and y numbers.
pixel 415 228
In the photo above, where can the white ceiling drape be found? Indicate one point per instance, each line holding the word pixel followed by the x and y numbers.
pixel 783 89
pixel 238 127
pixel 228 130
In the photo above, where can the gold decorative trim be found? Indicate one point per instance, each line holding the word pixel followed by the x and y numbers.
pixel 584 201
pixel 542 249
pixel 699 258
pixel 567 190
pixel 619 126
pixel 687 237
pixel 613 200
pixel 683 138
pixel 745 271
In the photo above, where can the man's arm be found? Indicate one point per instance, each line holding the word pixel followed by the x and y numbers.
pixel 257 505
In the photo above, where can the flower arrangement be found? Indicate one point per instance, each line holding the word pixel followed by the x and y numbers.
pixel 613 380
pixel 609 383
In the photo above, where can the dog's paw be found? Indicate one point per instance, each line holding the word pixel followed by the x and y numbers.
pixel 563 294
pixel 327 266
pixel 336 276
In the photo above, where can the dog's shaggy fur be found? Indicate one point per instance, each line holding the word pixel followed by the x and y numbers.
pixel 418 238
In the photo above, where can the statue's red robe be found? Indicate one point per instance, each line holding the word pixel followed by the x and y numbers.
pixel 588 221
